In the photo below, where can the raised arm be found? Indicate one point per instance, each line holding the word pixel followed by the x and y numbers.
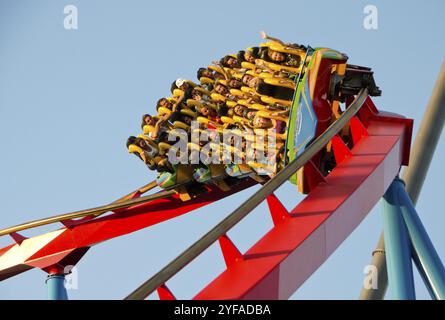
pixel 267 37
pixel 178 101
pixel 225 74
pixel 162 119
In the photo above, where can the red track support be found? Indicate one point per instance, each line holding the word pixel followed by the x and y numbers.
pixel 341 151
pixel 277 210
pixel 299 242
pixel 293 249
pixel 164 293
pixel 230 252
pixel 67 245
pixel 312 176
pixel 358 130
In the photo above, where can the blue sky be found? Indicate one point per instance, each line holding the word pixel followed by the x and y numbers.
pixel 69 100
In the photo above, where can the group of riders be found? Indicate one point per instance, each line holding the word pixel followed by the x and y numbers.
pixel 250 91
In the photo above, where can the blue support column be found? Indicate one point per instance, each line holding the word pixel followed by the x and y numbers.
pixel 56 287
pixel 425 256
pixel 397 246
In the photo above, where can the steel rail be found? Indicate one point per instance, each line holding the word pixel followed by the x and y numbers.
pixel 244 209
pixel 141 190
pixel 124 202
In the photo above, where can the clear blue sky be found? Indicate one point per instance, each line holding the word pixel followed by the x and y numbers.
pixel 69 100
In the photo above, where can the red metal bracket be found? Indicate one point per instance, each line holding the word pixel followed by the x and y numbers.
pixel 277 210
pixel 312 176
pixel 341 151
pixel 358 130
pixel 230 251
pixel 18 238
pixel 164 293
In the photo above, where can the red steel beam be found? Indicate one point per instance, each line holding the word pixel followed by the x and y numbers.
pixel 295 247
pixel 66 246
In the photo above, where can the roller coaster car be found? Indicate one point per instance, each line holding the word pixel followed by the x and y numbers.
pixel 321 80
pixel 315 103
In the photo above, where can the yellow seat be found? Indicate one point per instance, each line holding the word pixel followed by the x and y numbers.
pixel 203 120
pixel 240 120
pixel 236 92
pixel 265 99
pixel 206 121
pixel 136 149
pixel 268 114
pixel 193 103
pixel 281 136
pixel 227 120
pixel 164 110
pixel 258 106
pixel 248 90
pixel 237 75
pixel 178 93
pixel 244 102
pixel 148 128
pixel 231 103
pixel 280 82
pixel 163 146
pixel 132 148
pixel 193 147
pixel 202 90
pixel 243 134
pixel 247 65
pixel 143 136
pixel 218 97
pixel 205 80
pixel 215 69
pixel 189 113
pixel 230 72
pixel 273 101
pixel 181 125
pixel 279 67
pixel 150 142
pixel 264 75
pixel 218 128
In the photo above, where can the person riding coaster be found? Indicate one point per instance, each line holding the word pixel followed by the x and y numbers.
pixel 277 88
pixel 146 150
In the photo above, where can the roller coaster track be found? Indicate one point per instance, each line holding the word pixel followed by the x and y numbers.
pixel 64 218
pixel 299 242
